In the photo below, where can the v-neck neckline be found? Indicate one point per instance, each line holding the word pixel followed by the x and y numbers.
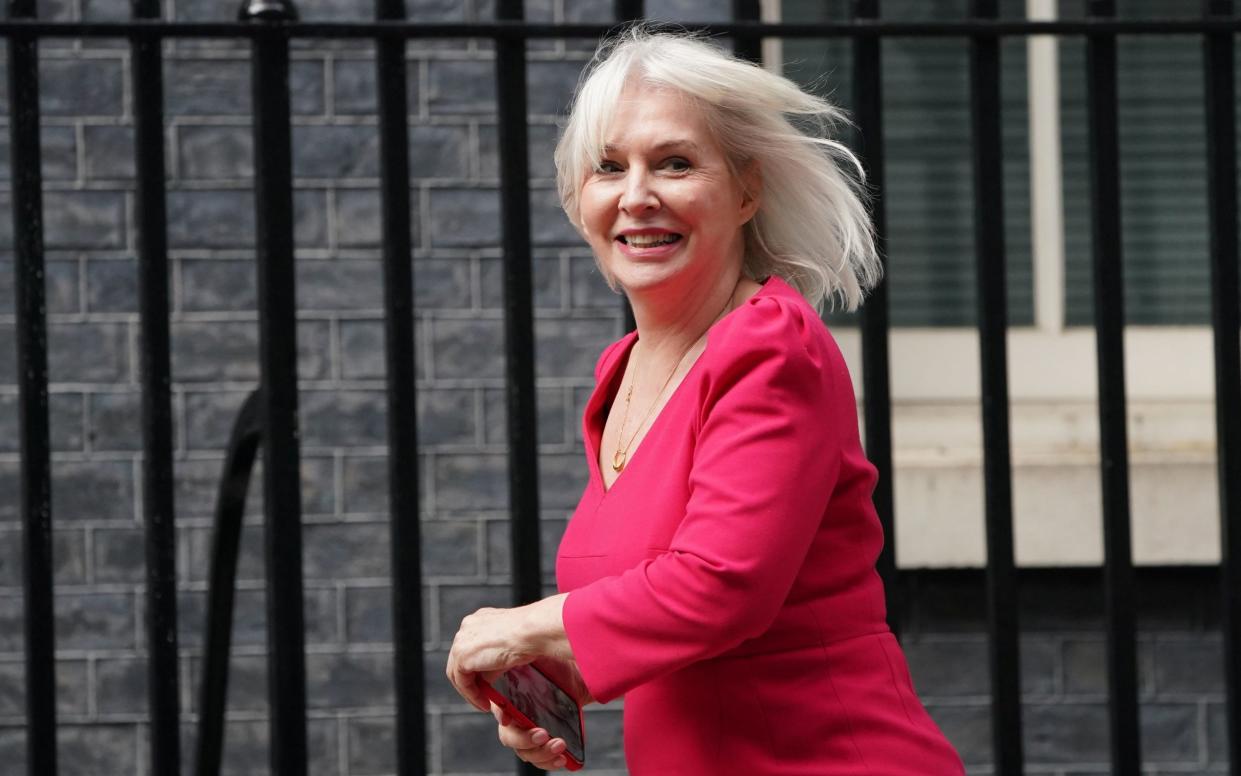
pixel 607 391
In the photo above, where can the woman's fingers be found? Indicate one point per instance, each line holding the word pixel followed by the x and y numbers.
pixel 548 765
pixel 549 757
pixel 466 684
pixel 521 739
pixel 534 746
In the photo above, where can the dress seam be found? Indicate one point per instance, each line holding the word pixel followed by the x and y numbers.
pixel 887 658
pixel 831 678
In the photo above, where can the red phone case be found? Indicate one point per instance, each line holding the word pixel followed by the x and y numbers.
pixel 571 763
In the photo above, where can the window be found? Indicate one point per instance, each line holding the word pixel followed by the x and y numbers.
pixel 928 156
pixel 1052 366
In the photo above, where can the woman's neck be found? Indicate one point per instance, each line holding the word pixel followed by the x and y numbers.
pixel 668 328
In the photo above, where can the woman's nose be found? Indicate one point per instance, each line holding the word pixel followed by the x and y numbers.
pixel 638 196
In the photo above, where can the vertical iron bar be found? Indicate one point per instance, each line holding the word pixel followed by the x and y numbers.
pixel 518 309
pixel 748 46
pixel 1109 325
pixel 990 263
pixel 1226 322
pixel 523 447
pixel 391 76
pixel 628 11
pixel 282 501
pixel 36 471
pixel 876 377
pixel 157 475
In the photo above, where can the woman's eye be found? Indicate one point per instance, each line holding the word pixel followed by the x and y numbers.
pixel 677 164
pixel 608 167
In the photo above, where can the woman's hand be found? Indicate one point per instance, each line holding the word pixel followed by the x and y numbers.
pixel 488 643
pixel 535 746
pixel 491 641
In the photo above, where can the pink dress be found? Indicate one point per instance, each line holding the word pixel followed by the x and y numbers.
pixel 725 584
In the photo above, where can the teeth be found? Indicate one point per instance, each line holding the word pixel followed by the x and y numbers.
pixel 651 240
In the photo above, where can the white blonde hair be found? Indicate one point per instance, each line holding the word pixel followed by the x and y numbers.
pixel 812 227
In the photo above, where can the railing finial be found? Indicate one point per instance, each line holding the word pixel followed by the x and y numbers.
pixel 267 10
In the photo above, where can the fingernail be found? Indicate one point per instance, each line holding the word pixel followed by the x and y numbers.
pixel 539 738
pixel 558 746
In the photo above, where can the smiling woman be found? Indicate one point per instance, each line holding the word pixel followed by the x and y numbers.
pixel 661 209
pixel 812 229
pixel 719 569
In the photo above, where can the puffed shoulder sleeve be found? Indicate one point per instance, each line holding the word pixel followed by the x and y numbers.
pixel 765 463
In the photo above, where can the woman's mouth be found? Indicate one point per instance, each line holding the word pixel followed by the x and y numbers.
pixel 649 240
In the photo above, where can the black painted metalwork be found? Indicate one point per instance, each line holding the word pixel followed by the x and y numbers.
pixel 230 507
pixel 1113 444
pixel 518 312
pixel 157 475
pixel 991 267
pixel 1219 60
pixel 282 497
pixel 876 375
pixel 407 638
pixel 501 30
pixel 748 46
pixel 628 11
pixel 35 440
pixel 523 446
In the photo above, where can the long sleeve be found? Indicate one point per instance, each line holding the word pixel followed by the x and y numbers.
pixel 766 459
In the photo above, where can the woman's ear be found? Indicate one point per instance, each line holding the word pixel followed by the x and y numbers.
pixel 751 191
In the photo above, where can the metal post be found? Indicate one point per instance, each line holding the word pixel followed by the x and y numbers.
pixel 157 479
pixel 36 486
pixel 519 310
pixel 282 498
pixel 523 448
pixel 876 377
pixel 628 11
pixel 990 263
pixel 1226 323
pixel 407 637
pixel 748 46
pixel 1113 445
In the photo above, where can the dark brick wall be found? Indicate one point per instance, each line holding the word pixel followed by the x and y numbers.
pixel 94 334
pixel 1064 670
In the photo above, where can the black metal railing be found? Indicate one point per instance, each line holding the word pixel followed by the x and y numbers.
pixel 269 417
pixel 35 442
pixel 990 271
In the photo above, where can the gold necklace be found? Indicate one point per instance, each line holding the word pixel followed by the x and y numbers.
pixel 621 455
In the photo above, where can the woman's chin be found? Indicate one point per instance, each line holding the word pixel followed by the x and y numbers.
pixel 645 279
pixel 640 273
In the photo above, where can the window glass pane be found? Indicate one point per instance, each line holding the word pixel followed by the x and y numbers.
pixel 928 144
pixel 1164 238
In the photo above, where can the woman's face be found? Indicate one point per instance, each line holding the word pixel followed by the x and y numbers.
pixel 663 209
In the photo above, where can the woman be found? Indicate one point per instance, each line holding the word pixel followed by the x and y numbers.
pixel 719 570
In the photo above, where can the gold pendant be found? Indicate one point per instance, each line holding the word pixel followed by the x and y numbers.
pixel 618 460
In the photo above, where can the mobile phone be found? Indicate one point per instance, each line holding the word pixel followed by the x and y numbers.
pixel 533 700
